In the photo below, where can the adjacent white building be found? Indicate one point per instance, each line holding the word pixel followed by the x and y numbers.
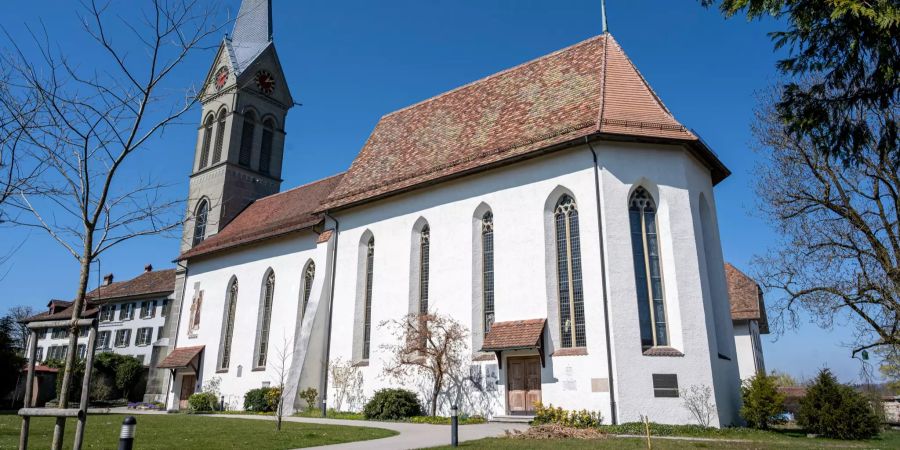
pixel 748 311
pixel 556 209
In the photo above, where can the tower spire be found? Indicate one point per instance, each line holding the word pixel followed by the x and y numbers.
pixel 603 15
pixel 252 31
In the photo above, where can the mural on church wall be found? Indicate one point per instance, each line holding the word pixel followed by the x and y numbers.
pixel 194 322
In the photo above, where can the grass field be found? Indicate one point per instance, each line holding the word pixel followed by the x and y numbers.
pixel 184 431
pixel 738 440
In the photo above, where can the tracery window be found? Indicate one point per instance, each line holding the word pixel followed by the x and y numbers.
pixel 308 276
pixel 265 151
pixel 220 137
pixel 200 219
pixel 207 137
pixel 647 272
pixel 367 320
pixel 487 269
pixel 247 133
pixel 262 348
pixel 424 248
pixel 568 265
pixel 228 326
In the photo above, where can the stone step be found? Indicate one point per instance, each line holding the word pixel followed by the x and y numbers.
pixel 512 419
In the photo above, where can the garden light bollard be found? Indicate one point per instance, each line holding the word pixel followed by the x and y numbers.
pixel 454 426
pixel 324 406
pixel 126 437
pixel 222 403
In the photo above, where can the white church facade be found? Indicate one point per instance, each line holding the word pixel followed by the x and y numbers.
pixel 556 209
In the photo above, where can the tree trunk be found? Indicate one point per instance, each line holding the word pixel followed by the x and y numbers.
pixel 434 395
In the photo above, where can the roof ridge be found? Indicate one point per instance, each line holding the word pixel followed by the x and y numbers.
pixel 494 75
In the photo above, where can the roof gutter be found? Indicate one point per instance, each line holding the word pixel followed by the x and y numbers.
pixel 609 363
pixel 337 226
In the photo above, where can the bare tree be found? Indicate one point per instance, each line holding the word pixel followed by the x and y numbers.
pixel 432 346
pixel 347 381
pixel 280 368
pixel 697 399
pixel 20 331
pixel 89 122
pixel 839 258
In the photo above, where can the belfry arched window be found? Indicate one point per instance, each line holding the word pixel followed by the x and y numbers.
pixel 309 276
pixel 647 271
pixel 247 131
pixel 220 137
pixel 228 325
pixel 487 269
pixel 200 218
pixel 265 151
pixel 424 250
pixel 568 267
pixel 367 319
pixel 207 138
pixel 265 320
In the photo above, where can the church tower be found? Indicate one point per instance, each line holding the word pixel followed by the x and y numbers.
pixel 240 140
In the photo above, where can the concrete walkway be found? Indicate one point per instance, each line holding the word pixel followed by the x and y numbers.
pixel 412 435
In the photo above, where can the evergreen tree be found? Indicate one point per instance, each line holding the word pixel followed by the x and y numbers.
pixel 837 411
pixel 10 362
pixel 762 403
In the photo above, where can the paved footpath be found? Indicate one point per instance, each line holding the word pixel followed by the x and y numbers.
pixel 412 435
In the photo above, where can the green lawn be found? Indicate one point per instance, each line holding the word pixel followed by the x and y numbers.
pixel 183 431
pixel 758 440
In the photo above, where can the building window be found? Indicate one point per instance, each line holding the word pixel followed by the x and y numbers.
pixel 144 336
pixel 57 352
pixel 220 137
pixel 568 266
pixel 262 347
pixel 228 326
pixel 103 339
pixel 159 333
pixel 207 137
pixel 58 333
pixel 39 356
pixel 247 132
pixel 487 269
pixel 265 151
pixel 107 312
pixel 367 320
pixel 83 331
pixel 308 276
pixel 200 219
pixel 665 385
pixel 42 333
pixel 123 338
pixel 164 311
pixel 148 309
pixel 82 351
pixel 647 272
pixel 424 249
pixel 126 311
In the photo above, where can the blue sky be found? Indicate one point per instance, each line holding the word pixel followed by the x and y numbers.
pixel 351 62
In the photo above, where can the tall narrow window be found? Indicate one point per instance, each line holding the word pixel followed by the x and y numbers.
pixel 308 276
pixel 220 137
pixel 200 222
pixel 647 273
pixel 207 137
pixel 247 132
pixel 487 268
pixel 265 320
pixel 568 264
pixel 424 248
pixel 228 326
pixel 265 151
pixel 367 321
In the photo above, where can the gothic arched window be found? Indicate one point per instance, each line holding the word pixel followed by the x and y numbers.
pixel 367 320
pixel 265 151
pixel 308 276
pixel 247 132
pixel 220 137
pixel 200 218
pixel 207 137
pixel 647 273
pixel 228 324
pixel 487 269
pixel 424 249
pixel 265 320
pixel 568 266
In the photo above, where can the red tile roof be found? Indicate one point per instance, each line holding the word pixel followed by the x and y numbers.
pixel 180 357
pixel 514 334
pixel 746 298
pixel 91 310
pixel 269 217
pixel 587 89
pixel 147 283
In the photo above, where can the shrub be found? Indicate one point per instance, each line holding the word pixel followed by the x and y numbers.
pixel 255 400
pixel 392 404
pixel 836 411
pixel 762 402
pixel 309 395
pixel 577 419
pixel 202 401
pixel 273 397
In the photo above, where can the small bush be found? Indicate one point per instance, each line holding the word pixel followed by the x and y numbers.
pixel 392 404
pixel 577 419
pixel 256 400
pixel 273 398
pixel 762 403
pixel 837 411
pixel 309 395
pixel 202 402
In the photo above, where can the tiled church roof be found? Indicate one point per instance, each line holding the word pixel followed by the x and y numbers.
pixel 586 89
pixel 746 298
pixel 269 217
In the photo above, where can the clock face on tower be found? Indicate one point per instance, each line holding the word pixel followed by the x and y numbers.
pixel 221 77
pixel 265 82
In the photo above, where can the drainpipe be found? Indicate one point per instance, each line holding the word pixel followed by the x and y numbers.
pixel 609 362
pixel 337 226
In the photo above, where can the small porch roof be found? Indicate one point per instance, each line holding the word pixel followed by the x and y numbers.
pixel 181 358
pixel 515 335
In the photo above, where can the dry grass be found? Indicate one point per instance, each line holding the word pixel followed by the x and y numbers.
pixel 553 431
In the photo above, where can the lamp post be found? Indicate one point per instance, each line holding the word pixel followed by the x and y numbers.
pixel 454 426
pixel 126 436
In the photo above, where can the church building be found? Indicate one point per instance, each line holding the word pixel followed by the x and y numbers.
pixel 556 209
